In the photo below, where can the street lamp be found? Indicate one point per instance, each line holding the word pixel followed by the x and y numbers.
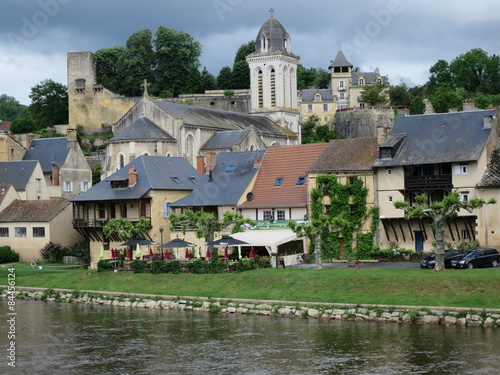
pixel 356 230
pixel 161 241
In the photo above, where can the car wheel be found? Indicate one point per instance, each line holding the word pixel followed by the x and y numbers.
pixel 494 263
pixel 470 265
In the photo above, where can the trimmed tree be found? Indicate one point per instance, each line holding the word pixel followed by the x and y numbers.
pixel 439 213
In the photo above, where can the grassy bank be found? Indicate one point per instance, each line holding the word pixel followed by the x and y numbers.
pixel 476 288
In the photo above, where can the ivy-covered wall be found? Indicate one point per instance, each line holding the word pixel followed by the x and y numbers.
pixel 349 202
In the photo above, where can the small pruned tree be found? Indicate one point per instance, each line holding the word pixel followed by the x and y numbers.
pixel 205 224
pixel 124 229
pixel 375 94
pixel 439 213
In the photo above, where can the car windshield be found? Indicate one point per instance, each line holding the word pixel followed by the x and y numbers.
pixel 471 253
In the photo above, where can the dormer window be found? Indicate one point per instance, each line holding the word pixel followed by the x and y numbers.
pixel 386 153
pixel 300 180
pixel 317 97
pixel 278 181
pixel 176 179
pixel 230 169
pixel 193 180
pixel 361 81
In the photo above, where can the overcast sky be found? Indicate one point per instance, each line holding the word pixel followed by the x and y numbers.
pixel 403 38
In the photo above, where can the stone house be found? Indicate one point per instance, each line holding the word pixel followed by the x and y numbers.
pixel 145 188
pixel 435 154
pixel 26 226
pixel 26 177
pixel 10 148
pixel 8 194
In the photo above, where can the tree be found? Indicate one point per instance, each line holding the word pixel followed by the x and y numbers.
pixel 205 224
pixel 374 94
pixel 439 213
pixel 312 132
pixel 439 75
pixel 446 98
pixel 96 173
pixel 207 80
pixel 400 95
pixel 225 78
pixel 124 230
pixel 49 104
pixel 108 72
pixel 23 125
pixel 241 70
pixel 10 109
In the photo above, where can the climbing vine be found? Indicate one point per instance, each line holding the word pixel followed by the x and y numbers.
pixel 347 202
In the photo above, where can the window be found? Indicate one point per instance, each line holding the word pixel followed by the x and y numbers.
pixel 193 180
pixel 361 81
pixel 341 85
pixel 67 186
pixel 464 197
pixel 38 185
pixel 309 108
pixel 278 181
pixel 325 108
pixel 84 186
pixel 390 198
pixel 385 153
pixel 300 180
pixel 166 209
pixel 4 232
pixel 230 169
pixel 389 171
pixel 460 169
pixel 20 231
pixel 268 215
pixel 342 96
pixel 280 215
pixel 176 179
pixel 38 232
pixel 464 234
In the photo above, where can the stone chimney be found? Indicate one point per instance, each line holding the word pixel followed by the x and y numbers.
pixel 468 105
pixel 132 177
pixel 488 122
pixel 71 136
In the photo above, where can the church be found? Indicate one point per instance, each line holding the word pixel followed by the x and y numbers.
pixel 159 127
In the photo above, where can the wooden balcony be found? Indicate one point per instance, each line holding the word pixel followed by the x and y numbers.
pixel 428 182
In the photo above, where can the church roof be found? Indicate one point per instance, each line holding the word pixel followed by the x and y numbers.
pixel 227 181
pixel 340 61
pixel 223 120
pixel 222 140
pixel 142 129
pixel 48 151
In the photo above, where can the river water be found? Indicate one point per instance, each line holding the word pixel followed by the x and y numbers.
pixel 64 338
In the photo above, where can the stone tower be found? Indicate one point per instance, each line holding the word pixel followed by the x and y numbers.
pixel 273 76
pixel 340 78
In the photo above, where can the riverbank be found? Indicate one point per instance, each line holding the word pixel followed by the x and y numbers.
pixel 396 314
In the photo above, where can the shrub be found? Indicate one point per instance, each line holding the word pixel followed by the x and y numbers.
pixel 53 252
pixel 7 255
pixel 81 250
pixel 173 266
pixel 245 265
pixel 158 266
pixel 104 265
pixel 138 266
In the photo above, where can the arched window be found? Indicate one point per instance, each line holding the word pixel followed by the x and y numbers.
pixel 273 88
pixel 189 149
pixel 260 88
pixel 121 161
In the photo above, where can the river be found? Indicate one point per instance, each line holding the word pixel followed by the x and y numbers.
pixel 62 338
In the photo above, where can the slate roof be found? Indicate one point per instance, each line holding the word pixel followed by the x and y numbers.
pixel 223 120
pixel 17 173
pixel 289 163
pixel 340 61
pixel 33 211
pixel 491 177
pixel 48 151
pixel 153 173
pixel 273 32
pixel 224 140
pixel 347 155
pixel 438 138
pixel 308 95
pixel 142 129
pixel 370 77
pixel 226 185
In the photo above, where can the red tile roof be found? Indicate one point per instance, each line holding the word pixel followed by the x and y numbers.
pixel 32 211
pixel 289 163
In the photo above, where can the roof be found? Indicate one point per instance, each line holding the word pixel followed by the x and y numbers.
pixel 491 177
pixel 48 151
pixel 340 61
pixel 33 211
pixel 223 120
pixel 4 189
pixel 17 173
pixel 142 129
pixel 153 173
pixel 288 163
pixel 308 95
pixel 225 185
pixel 347 155
pixel 223 140
pixel 274 36
pixel 438 138
pixel 370 77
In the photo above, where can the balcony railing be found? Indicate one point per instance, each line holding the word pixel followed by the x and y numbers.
pixel 96 223
pixel 427 182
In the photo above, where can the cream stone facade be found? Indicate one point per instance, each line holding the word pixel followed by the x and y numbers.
pixel 10 149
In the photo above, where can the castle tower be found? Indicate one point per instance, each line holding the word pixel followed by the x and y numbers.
pixel 273 76
pixel 340 78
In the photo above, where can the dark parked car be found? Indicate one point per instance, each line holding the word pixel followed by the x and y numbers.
pixel 449 255
pixel 478 258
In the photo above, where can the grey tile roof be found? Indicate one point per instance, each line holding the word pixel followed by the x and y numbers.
pixel 308 95
pixel 340 61
pixel 222 120
pixel 17 173
pixel 225 185
pixel 142 129
pixel 439 138
pixel 153 173
pixel 224 140
pixel 491 177
pixel 370 77
pixel 48 151
pixel 273 32
pixel 33 211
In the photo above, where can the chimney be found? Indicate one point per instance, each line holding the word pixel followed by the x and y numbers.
pixel 256 161
pixel 55 175
pixel 71 136
pixel 488 122
pixel 132 177
pixel 200 165
pixel 468 105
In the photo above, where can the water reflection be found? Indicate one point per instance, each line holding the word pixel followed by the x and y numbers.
pixel 86 339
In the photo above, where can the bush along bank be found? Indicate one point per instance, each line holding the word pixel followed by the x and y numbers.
pixel 396 314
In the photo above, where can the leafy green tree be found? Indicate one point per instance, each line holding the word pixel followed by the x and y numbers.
pixel 241 70
pixel 439 75
pixel 207 81
pixel 225 78
pixel 482 100
pixel 107 69
pixel 439 213
pixel 96 173
pixel 400 95
pixel 205 224
pixel 312 132
pixel 49 104
pixel 374 94
pixel 23 125
pixel 177 55
pixel 305 77
pixel 124 230
pixel 446 98
pixel 10 108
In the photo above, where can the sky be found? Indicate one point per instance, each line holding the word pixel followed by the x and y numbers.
pixel 403 38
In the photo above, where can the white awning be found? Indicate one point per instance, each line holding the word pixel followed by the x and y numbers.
pixel 271 239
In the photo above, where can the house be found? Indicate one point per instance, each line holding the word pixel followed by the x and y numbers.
pixel 317 102
pixel 26 177
pixel 8 194
pixel 145 188
pixel 435 154
pixel 10 149
pixel 26 226
pixel 65 169
pixel 279 194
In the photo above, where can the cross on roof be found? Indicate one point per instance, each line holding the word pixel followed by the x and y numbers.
pixel 272 12
pixel 145 85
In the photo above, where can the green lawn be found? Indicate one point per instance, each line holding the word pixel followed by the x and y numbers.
pixel 477 288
